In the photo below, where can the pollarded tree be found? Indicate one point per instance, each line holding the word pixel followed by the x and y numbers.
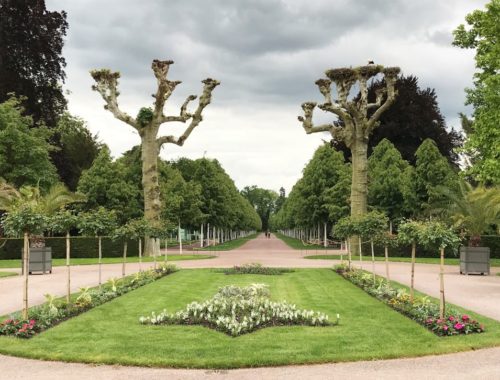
pixel 148 122
pixel 357 122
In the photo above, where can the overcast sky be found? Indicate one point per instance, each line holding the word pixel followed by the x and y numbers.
pixel 267 55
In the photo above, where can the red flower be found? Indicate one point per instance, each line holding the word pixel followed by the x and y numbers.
pixel 465 318
pixel 458 326
pixel 451 319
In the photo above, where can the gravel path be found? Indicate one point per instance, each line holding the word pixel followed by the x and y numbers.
pixel 478 293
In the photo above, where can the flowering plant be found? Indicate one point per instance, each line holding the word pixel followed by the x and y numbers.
pixel 235 311
pixel 421 310
pixel 19 328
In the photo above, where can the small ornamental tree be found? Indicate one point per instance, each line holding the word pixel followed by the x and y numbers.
pixel 139 228
pixel 123 233
pixel 409 233
pixel 387 239
pixel 369 226
pixel 437 234
pixel 62 222
pixel 99 223
pixel 344 229
pixel 25 221
pixel 158 232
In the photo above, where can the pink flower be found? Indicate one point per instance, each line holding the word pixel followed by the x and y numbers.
pixel 451 319
pixel 445 328
pixel 458 326
pixel 465 318
pixel 439 321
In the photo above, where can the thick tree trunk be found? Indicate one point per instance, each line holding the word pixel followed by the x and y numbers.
pixel 150 185
pixel 359 185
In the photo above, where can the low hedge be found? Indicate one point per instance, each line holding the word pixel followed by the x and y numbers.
pixel 81 247
pixel 491 241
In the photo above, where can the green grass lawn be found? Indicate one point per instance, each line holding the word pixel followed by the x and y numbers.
pixel 368 329
pixel 229 245
pixel 297 244
pixel 109 260
pixel 420 260
pixel 7 274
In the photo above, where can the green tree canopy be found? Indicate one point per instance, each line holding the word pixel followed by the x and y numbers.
pixel 389 186
pixel 32 65
pixel 24 151
pixel 105 184
pixel 263 200
pixel 483 144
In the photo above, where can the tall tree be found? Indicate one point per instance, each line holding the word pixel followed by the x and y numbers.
pixel 431 172
pixel 76 149
pixel 413 117
pixel 24 151
pixel 357 122
pixel 483 142
pixel 389 178
pixel 263 200
pixel 31 61
pixel 148 122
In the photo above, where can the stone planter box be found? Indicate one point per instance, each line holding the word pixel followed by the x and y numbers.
pixel 475 260
pixel 40 260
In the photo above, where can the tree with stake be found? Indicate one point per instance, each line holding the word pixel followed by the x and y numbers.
pixel 139 228
pixel 386 239
pixel 25 221
pixel 358 118
pixel 409 233
pixel 370 226
pixel 148 122
pixel 98 223
pixel 61 223
pixel 344 229
pixel 437 234
pixel 123 233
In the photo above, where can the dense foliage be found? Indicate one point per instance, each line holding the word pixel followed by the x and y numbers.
pixel 483 144
pixel 32 65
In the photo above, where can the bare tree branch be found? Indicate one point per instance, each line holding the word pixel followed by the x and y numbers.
pixel 390 80
pixel 307 122
pixel 107 86
pixel 184 115
pixel 196 117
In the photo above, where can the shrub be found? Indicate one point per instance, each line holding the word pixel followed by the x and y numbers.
pixel 236 311
pixel 256 268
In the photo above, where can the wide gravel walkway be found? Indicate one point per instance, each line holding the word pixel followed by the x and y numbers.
pixel 478 293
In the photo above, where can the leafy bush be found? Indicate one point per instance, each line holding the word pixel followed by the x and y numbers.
pixel 256 268
pixel 421 310
pixel 236 311
pixel 56 310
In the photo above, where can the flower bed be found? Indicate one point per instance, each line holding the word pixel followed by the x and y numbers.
pixel 55 311
pixel 421 310
pixel 236 311
pixel 256 268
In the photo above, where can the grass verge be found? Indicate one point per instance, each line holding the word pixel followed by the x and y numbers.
pixel 229 245
pixel 297 244
pixel 419 260
pixel 368 329
pixel 7 274
pixel 109 260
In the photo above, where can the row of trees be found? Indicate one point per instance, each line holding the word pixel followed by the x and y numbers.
pixel 395 187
